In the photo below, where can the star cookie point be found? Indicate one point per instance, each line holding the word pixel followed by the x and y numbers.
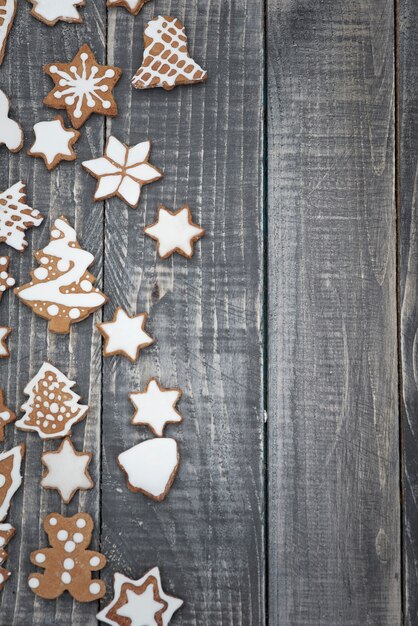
pixel 155 407
pixel 59 10
pixel 125 335
pixel 175 231
pixel 133 6
pixel 4 350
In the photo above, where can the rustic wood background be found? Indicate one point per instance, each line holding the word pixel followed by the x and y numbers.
pixel 299 157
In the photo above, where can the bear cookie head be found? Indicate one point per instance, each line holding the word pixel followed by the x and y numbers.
pixel 60 530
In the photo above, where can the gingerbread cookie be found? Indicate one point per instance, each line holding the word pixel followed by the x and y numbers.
pixel 51 11
pixel 175 232
pixel 125 335
pixel 6 415
pixel 16 216
pixel 83 87
pixel 61 289
pixel 122 171
pixel 4 350
pixel 138 602
pixel 166 61
pixel 7 15
pixel 66 470
pixel 6 281
pixel 155 407
pixel 7 532
pixel 151 467
pixel 11 133
pixel 53 142
pixel 10 476
pixel 52 407
pixel 67 563
pixel 133 6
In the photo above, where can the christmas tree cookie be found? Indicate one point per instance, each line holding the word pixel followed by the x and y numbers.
pixel 61 289
pixel 16 216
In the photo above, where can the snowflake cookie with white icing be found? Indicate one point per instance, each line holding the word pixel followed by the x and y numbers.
pixel 53 142
pixel 16 216
pixel 52 407
pixel 174 231
pixel 138 602
pixel 51 11
pixel 67 564
pixel 122 171
pixel 61 290
pixel 67 470
pixel 11 133
pixel 10 477
pixel 7 15
pixel 166 62
pixel 151 467
pixel 83 87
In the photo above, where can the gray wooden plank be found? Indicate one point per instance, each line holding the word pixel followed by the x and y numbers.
pixel 408 256
pixel 206 313
pixel 334 523
pixel 32 44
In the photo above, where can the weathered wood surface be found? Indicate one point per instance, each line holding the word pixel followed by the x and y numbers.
pixel 408 257
pixel 334 502
pixel 206 314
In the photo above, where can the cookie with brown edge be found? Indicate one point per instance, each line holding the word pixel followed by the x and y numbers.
pixel 4 350
pixel 174 231
pixel 54 142
pixel 66 470
pixel 133 6
pixel 6 415
pixel 59 10
pixel 125 335
pixel 155 407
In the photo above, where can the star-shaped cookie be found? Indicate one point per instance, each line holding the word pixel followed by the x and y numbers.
pixel 51 11
pixel 66 470
pixel 6 415
pixel 122 171
pixel 53 142
pixel 155 407
pixel 125 335
pixel 139 602
pixel 83 87
pixel 4 333
pixel 175 232
pixel 133 6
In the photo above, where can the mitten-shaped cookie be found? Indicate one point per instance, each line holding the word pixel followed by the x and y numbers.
pixel 68 564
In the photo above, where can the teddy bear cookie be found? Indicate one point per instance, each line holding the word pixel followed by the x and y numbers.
pixel 67 564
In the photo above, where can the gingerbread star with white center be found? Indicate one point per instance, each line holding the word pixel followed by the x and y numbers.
pixel 122 171
pixel 139 602
pixel 4 333
pixel 155 407
pixel 175 232
pixel 133 6
pixel 6 415
pixel 83 87
pixel 125 335
pixel 67 470
pixel 53 142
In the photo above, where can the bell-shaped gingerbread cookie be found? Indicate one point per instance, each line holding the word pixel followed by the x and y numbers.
pixel 166 61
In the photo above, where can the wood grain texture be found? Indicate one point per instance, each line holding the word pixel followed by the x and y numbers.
pixel 334 524
pixel 408 259
pixel 206 314
pixel 32 44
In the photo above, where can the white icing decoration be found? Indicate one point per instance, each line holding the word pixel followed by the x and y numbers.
pixel 4 332
pixel 53 521
pixel 155 407
pixel 2 480
pixel 69 563
pixel 41 273
pixel 82 84
pixel 132 5
pixel 173 604
pixel 33 583
pixel 141 608
pixel 62 535
pixel 73 410
pixel 69 546
pixel 16 216
pixel 67 472
pixel 52 140
pixel 150 75
pixel 94 588
pixel 66 578
pixel 40 558
pixel 94 561
pixel 7 14
pixel 11 133
pixel 78 538
pixel 150 464
pixel 125 334
pixel 78 260
pixel 81 523
pixel 174 232
pixel 122 171
pixel 50 11
pixel 16 478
